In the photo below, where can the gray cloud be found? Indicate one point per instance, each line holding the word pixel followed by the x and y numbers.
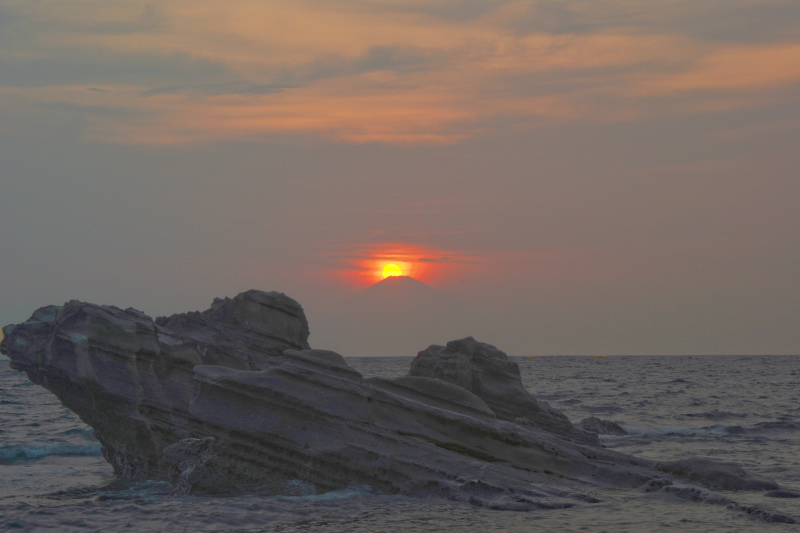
pixel 216 89
pixel 740 21
pixel 398 59
pixel 92 67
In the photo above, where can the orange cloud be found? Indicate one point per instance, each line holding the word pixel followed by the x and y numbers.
pixel 732 68
pixel 377 72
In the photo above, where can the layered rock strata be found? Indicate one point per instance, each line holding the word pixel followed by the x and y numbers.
pixel 232 399
pixel 489 374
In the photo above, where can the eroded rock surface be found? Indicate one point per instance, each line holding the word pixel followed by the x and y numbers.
pixel 232 399
pixel 131 378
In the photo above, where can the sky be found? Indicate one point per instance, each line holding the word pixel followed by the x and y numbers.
pixel 572 176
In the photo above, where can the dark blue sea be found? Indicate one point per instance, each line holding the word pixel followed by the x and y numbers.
pixel 743 409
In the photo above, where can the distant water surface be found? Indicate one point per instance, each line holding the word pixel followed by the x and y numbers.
pixel 744 409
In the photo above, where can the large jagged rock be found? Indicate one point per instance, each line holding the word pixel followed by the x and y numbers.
pixel 131 378
pixel 231 400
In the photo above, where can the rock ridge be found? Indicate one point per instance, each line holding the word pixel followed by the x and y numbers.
pixel 233 399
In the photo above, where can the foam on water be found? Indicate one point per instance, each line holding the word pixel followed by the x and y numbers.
pixel 22 452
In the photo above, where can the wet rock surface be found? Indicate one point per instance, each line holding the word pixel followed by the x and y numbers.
pixel 233 400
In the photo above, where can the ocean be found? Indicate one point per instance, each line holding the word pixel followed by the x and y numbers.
pixel 742 409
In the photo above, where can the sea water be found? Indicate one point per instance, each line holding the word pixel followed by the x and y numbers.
pixel 742 409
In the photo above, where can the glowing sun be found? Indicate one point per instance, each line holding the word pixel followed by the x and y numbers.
pixel 392 269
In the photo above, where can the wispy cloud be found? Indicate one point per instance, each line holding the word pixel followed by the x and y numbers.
pixel 384 71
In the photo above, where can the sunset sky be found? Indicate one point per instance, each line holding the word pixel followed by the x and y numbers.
pixel 577 176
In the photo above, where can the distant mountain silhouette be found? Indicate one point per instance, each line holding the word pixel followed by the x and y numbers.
pixel 399 315
pixel 400 290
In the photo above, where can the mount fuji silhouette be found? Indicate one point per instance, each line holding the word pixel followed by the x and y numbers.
pixel 399 290
pixel 399 315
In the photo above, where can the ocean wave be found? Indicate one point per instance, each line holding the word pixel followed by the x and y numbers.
pixel 86 433
pixel 713 430
pixel 719 429
pixel 147 492
pixel 604 409
pixel 309 493
pixel 715 415
pixel 22 452
pixel 774 427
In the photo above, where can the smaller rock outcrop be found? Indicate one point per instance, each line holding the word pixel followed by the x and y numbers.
pixel 715 475
pixel 490 375
pixel 601 427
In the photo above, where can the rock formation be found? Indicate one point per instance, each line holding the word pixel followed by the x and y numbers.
pixel 488 373
pixel 232 399
pixel 601 427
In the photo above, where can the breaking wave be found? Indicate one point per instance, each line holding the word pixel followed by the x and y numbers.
pixel 22 452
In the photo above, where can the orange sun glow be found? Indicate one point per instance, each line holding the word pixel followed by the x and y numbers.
pixel 369 264
pixel 392 269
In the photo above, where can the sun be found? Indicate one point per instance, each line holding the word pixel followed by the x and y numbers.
pixel 392 269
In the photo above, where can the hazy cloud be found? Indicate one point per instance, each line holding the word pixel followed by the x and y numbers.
pixel 217 89
pixel 67 69
pixel 388 73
